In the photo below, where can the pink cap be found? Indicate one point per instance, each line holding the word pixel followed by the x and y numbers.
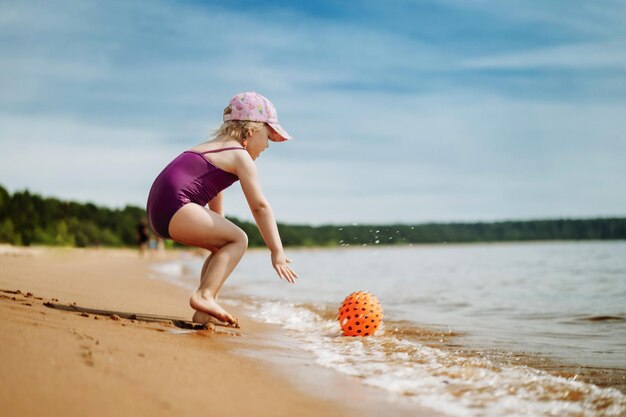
pixel 254 107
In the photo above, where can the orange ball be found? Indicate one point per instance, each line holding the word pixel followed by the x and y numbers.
pixel 360 314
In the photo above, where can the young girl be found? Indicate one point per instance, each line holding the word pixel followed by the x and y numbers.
pixel 178 198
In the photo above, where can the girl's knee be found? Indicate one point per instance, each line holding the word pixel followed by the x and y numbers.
pixel 242 238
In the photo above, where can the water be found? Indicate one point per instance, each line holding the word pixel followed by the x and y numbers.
pixel 527 329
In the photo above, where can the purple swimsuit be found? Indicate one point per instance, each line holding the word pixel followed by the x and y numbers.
pixel 190 178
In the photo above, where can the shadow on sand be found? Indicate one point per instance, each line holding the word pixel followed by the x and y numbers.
pixel 178 322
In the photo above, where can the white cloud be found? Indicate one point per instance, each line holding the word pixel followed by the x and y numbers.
pixel 454 157
pixel 583 19
pixel 75 160
pixel 604 56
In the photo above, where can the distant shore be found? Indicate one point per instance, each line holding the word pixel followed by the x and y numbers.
pixel 30 219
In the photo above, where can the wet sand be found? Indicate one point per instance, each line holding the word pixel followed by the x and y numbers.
pixel 87 332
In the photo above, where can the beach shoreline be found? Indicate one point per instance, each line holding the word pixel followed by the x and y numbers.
pixel 414 359
pixel 73 362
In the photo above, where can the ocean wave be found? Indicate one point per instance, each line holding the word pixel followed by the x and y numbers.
pixel 430 367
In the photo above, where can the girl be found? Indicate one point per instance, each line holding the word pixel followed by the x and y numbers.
pixel 177 202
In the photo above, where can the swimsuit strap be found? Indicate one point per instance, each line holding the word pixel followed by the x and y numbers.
pixel 223 149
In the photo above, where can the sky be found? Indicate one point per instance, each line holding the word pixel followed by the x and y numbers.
pixel 401 111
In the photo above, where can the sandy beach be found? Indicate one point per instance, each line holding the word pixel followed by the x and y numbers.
pixel 59 358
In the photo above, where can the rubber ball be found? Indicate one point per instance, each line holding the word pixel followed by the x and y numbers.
pixel 360 314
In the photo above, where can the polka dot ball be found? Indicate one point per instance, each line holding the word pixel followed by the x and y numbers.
pixel 360 314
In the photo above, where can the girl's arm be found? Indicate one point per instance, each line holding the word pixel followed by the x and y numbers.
pixel 248 177
pixel 217 204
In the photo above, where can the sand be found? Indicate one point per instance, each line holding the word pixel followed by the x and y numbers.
pixel 69 361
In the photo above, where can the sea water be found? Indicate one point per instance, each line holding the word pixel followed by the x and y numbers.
pixel 516 329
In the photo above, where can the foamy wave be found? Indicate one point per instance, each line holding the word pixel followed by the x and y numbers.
pixel 456 383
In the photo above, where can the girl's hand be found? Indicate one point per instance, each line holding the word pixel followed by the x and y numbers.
pixel 280 261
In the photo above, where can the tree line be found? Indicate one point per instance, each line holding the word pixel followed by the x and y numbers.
pixel 28 219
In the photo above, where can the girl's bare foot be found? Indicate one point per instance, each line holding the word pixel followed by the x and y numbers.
pixel 200 317
pixel 207 304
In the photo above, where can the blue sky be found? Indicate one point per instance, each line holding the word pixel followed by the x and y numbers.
pixel 402 111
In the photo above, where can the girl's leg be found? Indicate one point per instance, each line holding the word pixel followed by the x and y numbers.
pixel 197 226
pixel 205 266
pixel 199 316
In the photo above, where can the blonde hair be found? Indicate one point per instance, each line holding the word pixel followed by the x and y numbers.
pixel 237 129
